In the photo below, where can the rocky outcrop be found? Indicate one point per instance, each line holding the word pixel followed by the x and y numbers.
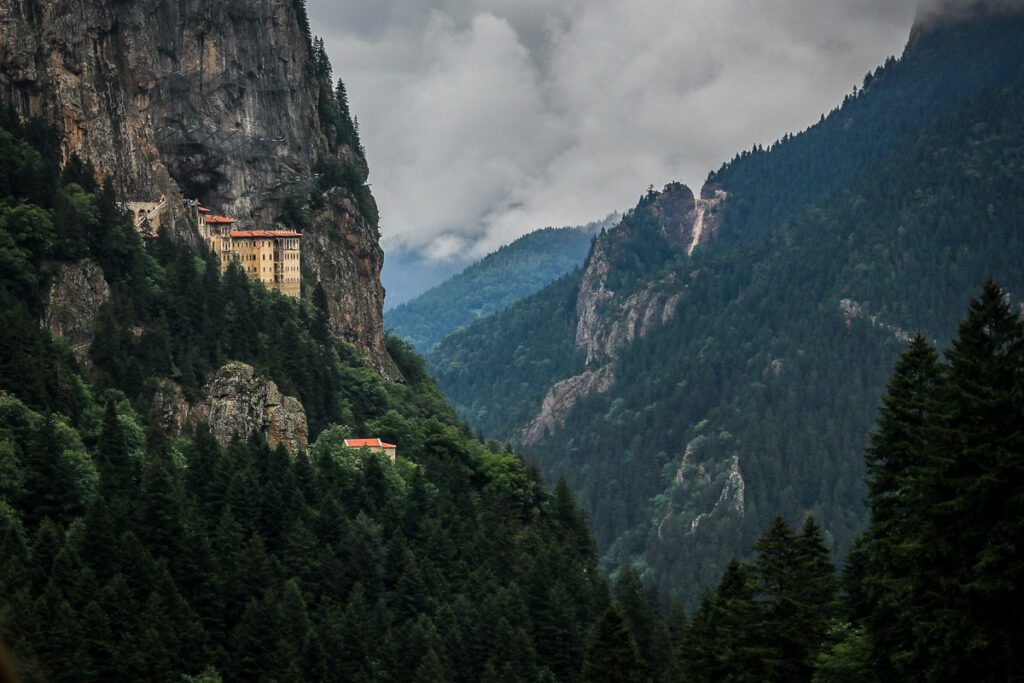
pixel 706 216
pixel 676 212
pixel 852 310
pixel 697 479
pixel 170 407
pixel 685 221
pixel 594 301
pixel 606 319
pixel 640 313
pixel 76 294
pixel 205 99
pixel 730 500
pixel 237 400
pixel 562 398
pixel 357 298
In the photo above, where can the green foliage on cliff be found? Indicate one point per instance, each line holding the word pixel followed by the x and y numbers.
pixel 346 166
pixel 127 553
pixel 500 279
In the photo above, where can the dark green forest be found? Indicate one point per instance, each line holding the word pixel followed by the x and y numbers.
pixel 129 554
pixel 501 278
pixel 931 591
pixel 902 201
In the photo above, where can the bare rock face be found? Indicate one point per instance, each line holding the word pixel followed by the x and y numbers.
pixel 706 216
pixel 608 320
pixel 562 398
pixel 852 310
pixel 675 209
pixel 698 482
pixel 170 406
pixel 239 400
pixel 76 294
pixel 354 306
pixel 203 99
pixel 594 302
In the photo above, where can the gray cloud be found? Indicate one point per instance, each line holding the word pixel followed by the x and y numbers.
pixel 931 11
pixel 484 119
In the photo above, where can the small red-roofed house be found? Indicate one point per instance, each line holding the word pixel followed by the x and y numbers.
pixel 376 445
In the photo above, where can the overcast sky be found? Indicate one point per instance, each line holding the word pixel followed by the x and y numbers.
pixel 485 119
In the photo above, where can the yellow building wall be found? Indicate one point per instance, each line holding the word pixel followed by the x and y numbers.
pixel 256 254
pixel 288 265
pixel 275 261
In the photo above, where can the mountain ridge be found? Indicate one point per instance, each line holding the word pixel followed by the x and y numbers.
pixel 504 276
pixel 652 456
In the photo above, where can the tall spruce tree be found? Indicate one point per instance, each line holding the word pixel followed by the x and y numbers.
pixel 795 585
pixel 936 577
pixel 613 656
pixel 885 558
pixel 971 560
pixel 720 643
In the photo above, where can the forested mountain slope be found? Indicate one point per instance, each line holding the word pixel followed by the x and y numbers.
pixel 708 371
pixel 150 528
pixel 499 279
pixel 136 546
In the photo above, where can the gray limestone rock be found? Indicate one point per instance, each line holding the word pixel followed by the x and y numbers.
pixel 237 399
pixel 202 99
pixel 76 294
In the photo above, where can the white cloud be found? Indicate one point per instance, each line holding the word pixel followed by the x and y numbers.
pixel 484 119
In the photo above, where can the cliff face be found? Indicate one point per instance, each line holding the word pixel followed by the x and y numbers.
pixel 561 399
pixel 76 294
pixel 613 311
pixel 207 99
pixel 240 401
pixel 609 319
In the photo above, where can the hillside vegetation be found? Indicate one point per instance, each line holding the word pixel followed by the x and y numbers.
pixel 501 278
pixel 133 554
pixel 754 399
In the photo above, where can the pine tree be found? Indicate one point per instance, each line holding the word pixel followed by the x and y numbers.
pixel 937 570
pixel 643 621
pixel 721 643
pixel 970 564
pixel 612 656
pixel 885 559
pixel 795 585
pixel 817 584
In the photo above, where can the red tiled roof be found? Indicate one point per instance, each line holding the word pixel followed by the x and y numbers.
pixel 265 233
pixel 362 443
pixel 220 219
pixel 203 209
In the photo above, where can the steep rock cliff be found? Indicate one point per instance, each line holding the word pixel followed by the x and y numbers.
pixel 562 398
pixel 237 399
pixel 76 294
pixel 609 319
pixel 207 99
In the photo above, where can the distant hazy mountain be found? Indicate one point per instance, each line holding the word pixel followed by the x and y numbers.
pixel 407 274
pixel 720 358
pixel 512 272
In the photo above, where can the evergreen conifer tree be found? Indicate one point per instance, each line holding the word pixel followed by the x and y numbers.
pixel 970 561
pixel 612 656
